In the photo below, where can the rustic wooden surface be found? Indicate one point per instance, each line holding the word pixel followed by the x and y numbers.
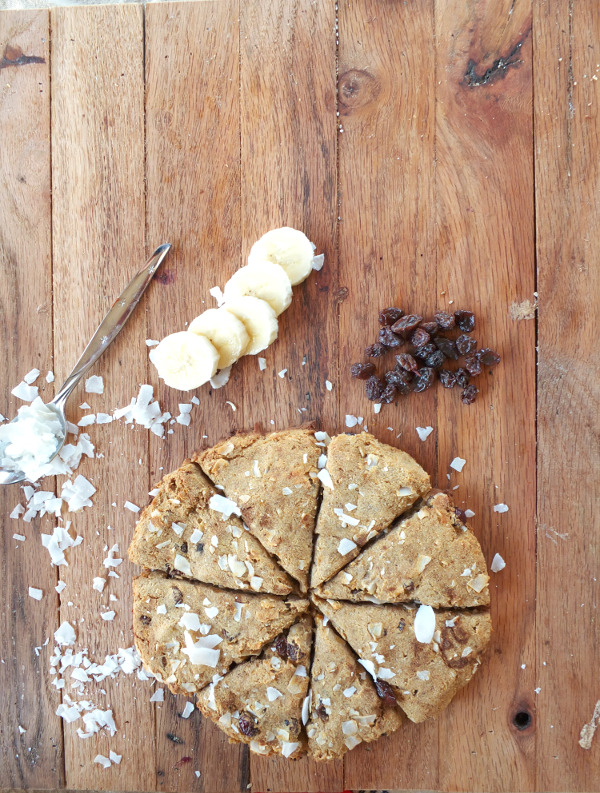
pixel 462 170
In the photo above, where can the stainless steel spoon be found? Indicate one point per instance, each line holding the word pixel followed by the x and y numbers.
pixel 106 332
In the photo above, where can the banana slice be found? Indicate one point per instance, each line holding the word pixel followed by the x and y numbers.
pixel 225 331
pixel 259 320
pixel 263 279
pixel 185 360
pixel 287 247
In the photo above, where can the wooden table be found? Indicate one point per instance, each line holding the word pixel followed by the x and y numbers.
pixel 441 154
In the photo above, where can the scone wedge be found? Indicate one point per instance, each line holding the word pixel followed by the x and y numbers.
pixel 424 677
pixel 260 702
pixel 370 485
pixel 187 632
pixel 429 557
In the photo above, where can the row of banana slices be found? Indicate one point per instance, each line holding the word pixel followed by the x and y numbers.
pixel 246 323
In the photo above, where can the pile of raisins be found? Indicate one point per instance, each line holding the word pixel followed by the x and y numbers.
pixel 425 355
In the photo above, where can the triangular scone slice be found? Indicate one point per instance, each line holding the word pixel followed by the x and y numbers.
pixel 422 676
pixel 187 632
pixel 260 702
pixel 429 557
pixel 345 709
pixel 274 481
pixel 179 531
pixel 368 485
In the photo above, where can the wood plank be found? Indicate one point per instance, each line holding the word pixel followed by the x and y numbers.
pixel 98 239
pixel 567 142
pixel 288 178
pixel 484 181
pixel 33 758
pixel 387 258
pixel 193 45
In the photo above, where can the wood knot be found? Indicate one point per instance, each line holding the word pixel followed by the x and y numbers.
pixel 356 89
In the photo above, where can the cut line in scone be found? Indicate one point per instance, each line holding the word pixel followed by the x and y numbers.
pixel 273 479
pixel 429 556
pixel 187 632
pixel 260 702
pixel 423 655
pixel 367 485
pixel 181 530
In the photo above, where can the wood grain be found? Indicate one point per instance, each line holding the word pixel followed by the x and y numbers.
pixel 33 758
pixel 567 124
pixel 98 245
pixel 203 225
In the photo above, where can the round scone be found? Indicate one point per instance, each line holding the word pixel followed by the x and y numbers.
pixel 298 651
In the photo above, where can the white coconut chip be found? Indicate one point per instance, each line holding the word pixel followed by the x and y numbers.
pixel 500 508
pixel 273 694
pixel 458 464
pixel 221 378
pixel 98 584
pixel 108 616
pixel 152 342
pixel 102 760
pixel 217 293
pixel 187 710
pixel 94 385
pixel 36 594
pixel 27 393
pixel 424 624
pixel 318 262
pixel 328 385
pixel 65 634
pixel 31 376
pixel 351 421
pixel 116 758
pixel 225 506
pixel 345 546
pixel 50 377
pixel 424 432
pixel 19 537
pixel 469 513
pixel 262 364
pixel 325 478
pixel 498 564
pixel 158 696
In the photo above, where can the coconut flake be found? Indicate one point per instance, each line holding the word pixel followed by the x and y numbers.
pixel 182 564
pixel 500 508
pixel 498 564
pixel 345 546
pixel 273 694
pixel 189 620
pixel 116 758
pixel 458 464
pixel 224 505
pixel 325 478
pixel 424 432
pixel 318 261
pixel 423 674
pixel 262 364
pixel 31 376
pixel 102 760
pixel 131 507
pixel 34 593
pixel 98 584
pixel 351 421
pixel 50 377
pixel 27 393
pixel 187 710
pixel 221 378
pixel 77 493
pixel 217 293
pixel 111 560
pixel 424 624
pixel 158 696
pixel 65 635
pixel 469 513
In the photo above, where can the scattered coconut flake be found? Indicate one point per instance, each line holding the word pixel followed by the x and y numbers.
pixel 98 584
pixel 161 609
pixel 132 507
pixel 25 392
pixel 318 262
pixel 424 624
pixel 351 421
pixel 348 692
pixel 376 407
pixel 469 513
pixel 221 378
pixel 189 620
pixel 287 491
pixel 500 508
pixel 19 537
pixel 152 342
pixel 345 546
pixel 94 385
pixel 282 373
pixel 423 674
pixel 108 616
pixel 187 710
pixel 65 634
pixel 217 293
pixel 202 652
pixel 273 694
pixel 231 405
pixel 18 510
pixel 85 406
pixel 224 505
pixel 50 377
pixel 288 748
pixel 182 564
pixel 34 593
pixel 458 464
pixel 328 385
pixel 325 478
pixel 498 564
pixel 588 730
pixel 424 432
pixel 158 696
pixel 256 583
pixel 58 542
pixel 102 760
pixel 262 364
pixel 116 758
pixel 31 376
pixel 60 586
pixel 77 494
pixel 111 560
pixel 28 444
pixel 322 461
pixel 385 674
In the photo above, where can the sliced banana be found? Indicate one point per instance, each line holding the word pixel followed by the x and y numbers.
pixel 185 360
pixel 259 320
pixel 287 247
pixel 225 331
pixel 263 279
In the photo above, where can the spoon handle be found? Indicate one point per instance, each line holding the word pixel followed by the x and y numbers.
pixel 112 323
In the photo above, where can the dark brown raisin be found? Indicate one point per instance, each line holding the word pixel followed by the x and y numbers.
pixel 419 337
pixel 388 338
pixel 293 724
pixel 177 595
pixel 424 379
pixel 400 379
pixel 293 652
pixel 385 692
pixel 447 378
pixel 388 394
pixel 375 350
pixel 462 377
pixel 184 547
pixel 488 357
pixel 444 320
pixel 469 395
pixel 322 712
pixel 246 725
pixel 465 320
pixel 447 347
pixel 145 619
pixel 430 327
pixel 473 365
pixel 388 316
pixel 174 738
pixel 200 547
pixel 407 362
pixel 424 351
pixel 281 646
pixel 465 344
pixel 373 388
pixel 460 514
pixel 362 370
pixel 436 359
pixel 401 625
pixel 405 325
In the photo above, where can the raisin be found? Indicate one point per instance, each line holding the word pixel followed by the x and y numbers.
pixel 447 378
pixel 473 365
pixel 293 652
pixel 420 337
pixel 145 620
pixel 388 338
pixel 246 725
pixel 462 377
pixel 407 362
pixel 281 647
pixel 430 327
pixel 405 325
pixel 424 379
pixel 465 320
pixel 200 547
pixel 447 347
pixel 322 712
pixel 436 359
pixel 488 357
pixel 375 350
pixel 373 388
pixel 444 320
pixel 388 394
pixel 174 738
pixel 362 370
pixel 424 351
pixel 177 595
pixel 400 379
pixel 385 692
pixel 469 394
pixel 401 625
pixel 184 547
pixel 388 316
pixel 465 344
pixel 460 514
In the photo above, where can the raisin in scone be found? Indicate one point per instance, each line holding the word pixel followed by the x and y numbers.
pixel 370 485
pixel 187 632
pixel 424 677
pixel 179 530
pixel 345 709
pixel 260 702
pixel 429 557
pixel 274 481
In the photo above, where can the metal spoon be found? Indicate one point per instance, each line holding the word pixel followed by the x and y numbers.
pixel 104 335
